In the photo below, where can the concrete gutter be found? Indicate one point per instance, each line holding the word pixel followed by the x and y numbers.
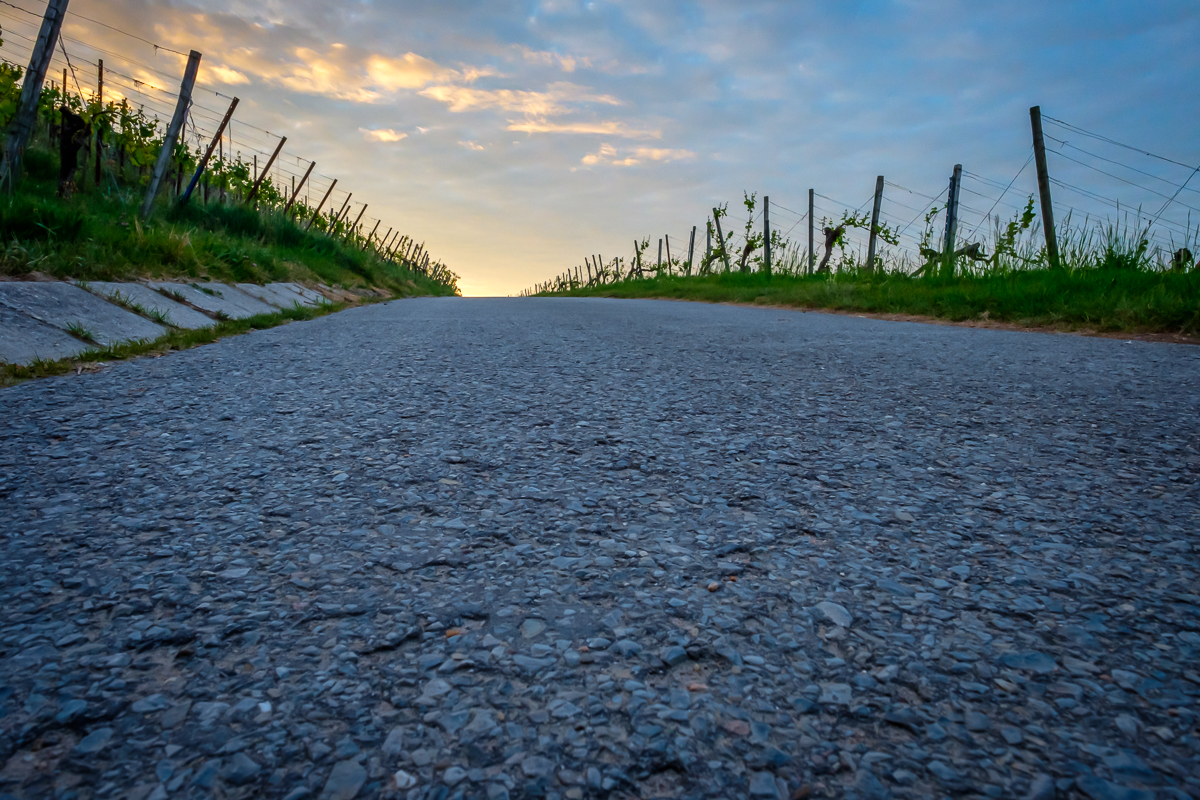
pixel 46 319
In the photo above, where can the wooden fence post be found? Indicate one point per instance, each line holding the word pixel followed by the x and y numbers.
pixel 658 268
pixel 874 224
pixel 721 239
pixel 1043 176
pixel 708 229
pixel 320 205
pixel 62 118
pixel 31 90
pixel 385 247
pixel 208 153
pixel 95 123
pixel 767 234
pixel 361 211
pixel 668 238
pixel 637 255
pixel 262 176
pixel 303 181
pixel 951 222
pixel 371 235
pixel 812 254
pixel 691 249
pixel 168 148
pixel 338 217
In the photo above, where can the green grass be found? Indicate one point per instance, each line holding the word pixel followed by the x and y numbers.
pixel 174 340
pixel 77 330
pixel 98 235
pixel 1099 299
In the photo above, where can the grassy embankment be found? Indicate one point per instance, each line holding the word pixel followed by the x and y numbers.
pixel 1110 280
pixel 97 235
pixel 1101 300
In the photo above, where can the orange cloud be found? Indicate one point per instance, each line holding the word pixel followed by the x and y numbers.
pixel 555 101
pixel 382 135
pixel 608 154
pixel 608 128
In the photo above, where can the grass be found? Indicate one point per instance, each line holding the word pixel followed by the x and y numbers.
pixel 98 235
pixel 77 330
pixel 174 340
pixel 129 304
pixel 1110 281
pixel 1094 299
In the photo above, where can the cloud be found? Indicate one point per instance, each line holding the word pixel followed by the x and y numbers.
pixel 664 154
pixel 606 151
pixel 565 63
pixel 471 145
pixel 296 60
pixel 225 75
pixel 383 135
pixel 555 101
pixel 409 71
pixel 605 128
pixel 607 154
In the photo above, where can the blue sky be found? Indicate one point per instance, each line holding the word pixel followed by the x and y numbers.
pixel 516 138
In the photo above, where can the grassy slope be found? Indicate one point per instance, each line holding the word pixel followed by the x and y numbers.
pixel 97 235
pixel 1092 299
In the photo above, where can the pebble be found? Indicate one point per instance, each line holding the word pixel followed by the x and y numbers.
pixel 507 596
pixel 345 779
pixel 832 613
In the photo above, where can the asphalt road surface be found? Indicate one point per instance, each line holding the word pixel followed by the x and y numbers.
pixel 569 548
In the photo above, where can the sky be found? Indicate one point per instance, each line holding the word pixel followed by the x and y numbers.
pixel 518 138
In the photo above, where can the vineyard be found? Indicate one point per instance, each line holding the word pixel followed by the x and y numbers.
pixel 1120 261
pixel 216 212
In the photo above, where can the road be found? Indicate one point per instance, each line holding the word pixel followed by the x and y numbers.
pixel 570 548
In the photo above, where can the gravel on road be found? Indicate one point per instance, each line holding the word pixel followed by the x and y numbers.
pixel 568 548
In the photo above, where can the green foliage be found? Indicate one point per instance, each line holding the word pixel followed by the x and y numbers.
pixel 77 330
pixel 41 165
pixel 10 92
pixel 33 219
pixel 97 234
pixel 1090 298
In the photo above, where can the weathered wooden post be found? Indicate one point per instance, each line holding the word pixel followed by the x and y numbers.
pixel 951 222
pixel 721 239
pixel 658 269
pixel 320 205
pixel 812 254
pixel 766 234
pixel 338 217
pixel 31 90
pixel 1043 177
pixel 354 227
pixel 668 238
pixel 168 148
pixel 691 249
pixel 96 120
pixel 874 224
pixel 296 193
pixel 266 170
pixel 708 229
pixel 208 153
